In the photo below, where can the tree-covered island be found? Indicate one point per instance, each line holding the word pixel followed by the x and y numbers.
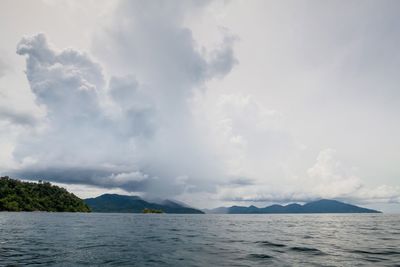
pixel 146 210
pixel 16 195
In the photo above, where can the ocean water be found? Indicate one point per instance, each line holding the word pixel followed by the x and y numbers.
pixel 73 239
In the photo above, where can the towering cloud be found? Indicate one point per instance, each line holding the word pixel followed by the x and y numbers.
pixel 153 107
pixel 67 83
pixel 135 131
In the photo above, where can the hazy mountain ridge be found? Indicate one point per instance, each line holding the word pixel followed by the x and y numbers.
pixel 134 204
pixel 319 206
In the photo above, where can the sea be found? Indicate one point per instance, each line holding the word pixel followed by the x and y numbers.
pixel 104 239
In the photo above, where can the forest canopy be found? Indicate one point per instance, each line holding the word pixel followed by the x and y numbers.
pixel 16 195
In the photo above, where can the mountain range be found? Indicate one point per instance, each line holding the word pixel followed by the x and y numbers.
pixel 134 204
pixel 16 195
pixel 319 206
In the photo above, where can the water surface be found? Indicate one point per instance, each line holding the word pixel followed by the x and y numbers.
pixel 76 239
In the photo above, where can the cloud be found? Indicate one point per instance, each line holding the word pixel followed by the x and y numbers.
pixel 67 82
pixel 150 39
pixel 330 178
pixel 80 139
pixel 327 178
pixel 380 194
pixel 132 107
pixel 135 132
pixel 247 135
pixel 3 67
pixel 240 181
pixel 153 110
pixel 17 117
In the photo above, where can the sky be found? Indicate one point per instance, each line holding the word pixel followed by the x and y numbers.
pixel 212 103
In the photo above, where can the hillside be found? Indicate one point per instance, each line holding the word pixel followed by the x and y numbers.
pixel 133 204
pixel 16 195
pixel 320 206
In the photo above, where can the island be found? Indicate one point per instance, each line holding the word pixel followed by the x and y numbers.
pixel 146 210
pixel 318 206
pixel 16 195
pixel 115 203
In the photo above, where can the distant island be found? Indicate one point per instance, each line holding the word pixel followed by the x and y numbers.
pixel 319 206
pixel 134 204
pixel 146 210
pixel 16 195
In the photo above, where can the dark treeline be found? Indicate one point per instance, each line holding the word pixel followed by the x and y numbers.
pixel 16 195
pixel 146 210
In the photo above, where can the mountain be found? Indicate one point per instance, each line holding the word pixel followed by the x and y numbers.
pixel 133 204
pixel 16 195
pixel 319 206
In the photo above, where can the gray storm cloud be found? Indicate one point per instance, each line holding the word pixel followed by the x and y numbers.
pixel 135 131
pixel 17 117
pixel 158 107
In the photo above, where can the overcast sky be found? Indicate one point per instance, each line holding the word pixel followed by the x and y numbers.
pixel 209 102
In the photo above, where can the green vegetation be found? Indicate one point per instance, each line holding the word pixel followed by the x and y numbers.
pixel 134 204
pixel 152 211
pixel 16 195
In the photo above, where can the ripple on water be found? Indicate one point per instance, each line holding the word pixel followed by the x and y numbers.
pixel 270 244
pixel 259 256
pixel 313 251
pixel 207 240
pixel 376 252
